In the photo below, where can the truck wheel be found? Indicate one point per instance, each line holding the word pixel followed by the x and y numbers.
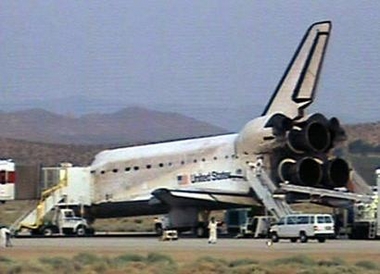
pixel 48 231
pixel 274 237
pixel 321 240
pixel 81 231
pixel 158 229
pixel 36 232
pixel 303 237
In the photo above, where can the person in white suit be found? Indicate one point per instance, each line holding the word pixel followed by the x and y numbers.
pixel 5 235
pixel 212 226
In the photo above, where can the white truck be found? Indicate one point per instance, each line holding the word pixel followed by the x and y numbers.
pixel 64 222
pixel 67 190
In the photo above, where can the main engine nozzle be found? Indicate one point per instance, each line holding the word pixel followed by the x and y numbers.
pixel 306 171
pixel 336 173
pixel 312 172
pixel 316 134
pixel 312 135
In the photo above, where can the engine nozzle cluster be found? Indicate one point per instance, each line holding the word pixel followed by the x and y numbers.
pixel 314 172
pixel 305 161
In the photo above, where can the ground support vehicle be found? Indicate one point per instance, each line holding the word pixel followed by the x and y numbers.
pixel 255 221
pixel 356 213
pixel 256 227
pixel 366 217
pixel 67 192
pixel 303 227
pixel 64 222
pixel 7 180
pixel 162 226
pixel 169 235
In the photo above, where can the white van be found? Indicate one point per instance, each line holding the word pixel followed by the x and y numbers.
pixel 303 227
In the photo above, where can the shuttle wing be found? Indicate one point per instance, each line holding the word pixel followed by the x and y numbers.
pixel 201 198
pixel 296 90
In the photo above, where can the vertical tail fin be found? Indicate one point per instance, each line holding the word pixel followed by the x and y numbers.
pixel 296 90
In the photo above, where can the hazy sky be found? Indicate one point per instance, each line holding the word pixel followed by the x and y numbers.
pixel 217 61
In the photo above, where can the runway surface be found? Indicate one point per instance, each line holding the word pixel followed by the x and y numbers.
pixel 191 249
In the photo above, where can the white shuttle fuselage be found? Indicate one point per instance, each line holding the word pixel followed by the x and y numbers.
pixel 208 164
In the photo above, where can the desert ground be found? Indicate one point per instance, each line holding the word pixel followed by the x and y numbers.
pixel 185 250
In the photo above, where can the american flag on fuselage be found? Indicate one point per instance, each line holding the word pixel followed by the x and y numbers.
pixel 183 179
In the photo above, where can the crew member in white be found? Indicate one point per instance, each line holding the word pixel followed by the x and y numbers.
pixel 5 234
pixel 212 226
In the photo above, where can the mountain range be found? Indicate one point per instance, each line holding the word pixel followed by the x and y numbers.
pixel 128 126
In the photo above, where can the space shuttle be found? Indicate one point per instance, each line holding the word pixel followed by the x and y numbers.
pixel 186 177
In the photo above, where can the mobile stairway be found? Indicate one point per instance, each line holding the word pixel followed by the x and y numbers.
pixel 273 198
pixel 68 189
pixel 50 198
pixel 363 206
pixel 268 193
pixel 318 194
